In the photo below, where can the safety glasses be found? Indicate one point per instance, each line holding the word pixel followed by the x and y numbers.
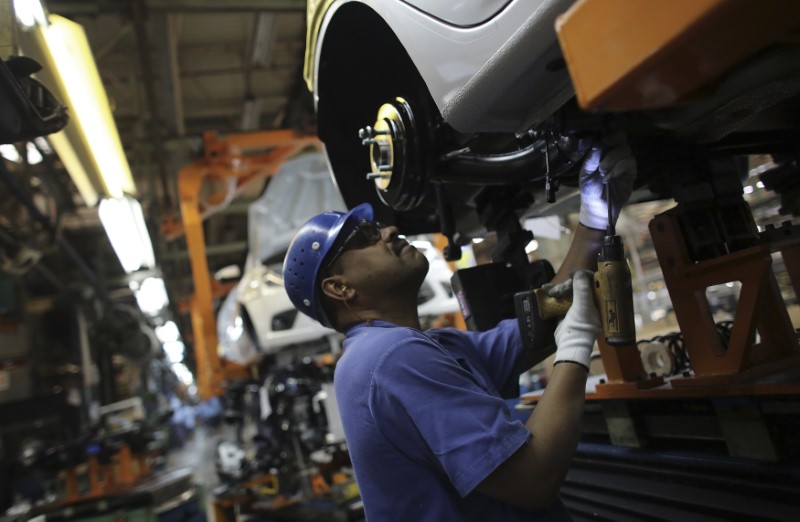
pixel 366 233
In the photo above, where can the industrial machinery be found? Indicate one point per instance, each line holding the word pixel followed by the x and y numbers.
pixel 239 159
pixel 466 117
pixel 469 118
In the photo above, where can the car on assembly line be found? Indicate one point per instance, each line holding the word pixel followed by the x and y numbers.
pixel 462 117
pixel 257 318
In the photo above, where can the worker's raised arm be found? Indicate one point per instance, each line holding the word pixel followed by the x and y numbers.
pixel 533 475
pixel 610 163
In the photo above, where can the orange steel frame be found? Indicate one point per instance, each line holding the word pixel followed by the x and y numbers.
pixel 760 308
pixel 244 157
pixel 718 370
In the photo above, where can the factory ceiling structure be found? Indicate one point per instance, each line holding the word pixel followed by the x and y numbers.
pixel 171 294
pixel 173 70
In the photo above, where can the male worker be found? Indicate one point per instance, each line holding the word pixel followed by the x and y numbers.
pixel 430 436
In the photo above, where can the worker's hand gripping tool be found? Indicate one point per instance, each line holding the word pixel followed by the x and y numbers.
pixel 538 312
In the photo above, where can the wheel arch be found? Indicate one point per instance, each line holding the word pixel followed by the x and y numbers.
pixel 361 64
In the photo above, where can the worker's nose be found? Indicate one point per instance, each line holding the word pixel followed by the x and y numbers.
pixel 389 232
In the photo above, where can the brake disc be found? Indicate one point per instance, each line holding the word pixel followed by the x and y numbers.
pixel 396 156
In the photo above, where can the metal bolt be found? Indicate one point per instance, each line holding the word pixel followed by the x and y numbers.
pixel 377 175
pixel 315 245
pixel 306 302
pixel 385 168
pixel 371 132
pixel 369 141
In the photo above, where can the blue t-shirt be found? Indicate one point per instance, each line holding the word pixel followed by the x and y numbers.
pixel 425 420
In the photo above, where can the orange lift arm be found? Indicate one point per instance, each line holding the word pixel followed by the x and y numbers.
pixel 243 157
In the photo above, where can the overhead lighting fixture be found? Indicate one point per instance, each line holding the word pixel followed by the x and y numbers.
pixel 183 373
pixel 168 332
pixel 251 113
pixel 34 156
pixel 262 39
pixel 30 13
pixel 151 295
pixel 124 223
pixel 42 144
pixel 10 152
pixel 75 168
pixel 174 351
pixel 69 70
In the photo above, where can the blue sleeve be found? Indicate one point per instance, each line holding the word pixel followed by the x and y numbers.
pixel 422 397
pixel 500 350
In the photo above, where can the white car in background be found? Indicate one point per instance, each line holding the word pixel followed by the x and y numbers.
pixel 257 317
pixel 466 107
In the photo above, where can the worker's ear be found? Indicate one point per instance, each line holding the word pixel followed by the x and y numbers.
pixel 335 288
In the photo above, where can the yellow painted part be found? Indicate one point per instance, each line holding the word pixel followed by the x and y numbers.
pixel 314 14
pixel 66 44
pixel 6 29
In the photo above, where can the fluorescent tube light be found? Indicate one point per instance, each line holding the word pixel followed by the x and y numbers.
pixel 124 223
pixel 34 156
pixel 174 351
pixel 43 145
pixel 75 168
pixel 168 332
pixel 183 373
pixel 30 13
pixel 262 39
pixel 10 152
pixel 70 71
pixel 251 113
pixel 151 296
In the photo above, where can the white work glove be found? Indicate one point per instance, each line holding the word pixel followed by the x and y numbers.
pixel 609 161
pixel 576 333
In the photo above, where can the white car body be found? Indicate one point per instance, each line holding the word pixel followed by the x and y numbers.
pixel 461 111
pixel 484 63
pixel 258 318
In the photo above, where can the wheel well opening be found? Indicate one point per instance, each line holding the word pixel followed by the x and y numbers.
pixel 362 65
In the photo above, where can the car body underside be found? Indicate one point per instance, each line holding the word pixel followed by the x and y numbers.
pixel 468 124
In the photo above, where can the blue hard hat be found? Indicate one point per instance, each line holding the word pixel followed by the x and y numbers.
pixel 307 253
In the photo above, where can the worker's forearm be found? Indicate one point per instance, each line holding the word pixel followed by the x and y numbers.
pixel 532 477
pixel 557 421
pixel 582 253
